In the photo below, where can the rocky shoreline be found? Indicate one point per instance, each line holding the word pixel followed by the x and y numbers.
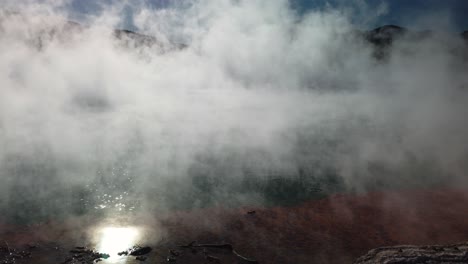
pixel 406 254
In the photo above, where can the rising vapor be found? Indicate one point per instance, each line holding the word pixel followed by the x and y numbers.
pixel 218 103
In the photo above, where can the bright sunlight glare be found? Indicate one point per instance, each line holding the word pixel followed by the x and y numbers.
pixel 113 240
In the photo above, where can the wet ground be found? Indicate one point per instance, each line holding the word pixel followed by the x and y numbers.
pixel 61 253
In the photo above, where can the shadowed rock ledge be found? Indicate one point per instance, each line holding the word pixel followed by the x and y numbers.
pixel 457 253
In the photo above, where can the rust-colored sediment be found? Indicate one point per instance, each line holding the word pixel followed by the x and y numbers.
pixel 334 230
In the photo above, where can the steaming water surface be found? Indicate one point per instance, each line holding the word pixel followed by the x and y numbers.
pixel 260 106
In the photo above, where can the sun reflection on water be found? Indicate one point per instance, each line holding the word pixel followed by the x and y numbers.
pixel 112 240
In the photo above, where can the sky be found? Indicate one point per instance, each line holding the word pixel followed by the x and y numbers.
pixel 401 9
pixel 407 13
pixel 403 12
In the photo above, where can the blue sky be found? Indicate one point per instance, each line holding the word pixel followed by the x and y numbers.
pixel 407 13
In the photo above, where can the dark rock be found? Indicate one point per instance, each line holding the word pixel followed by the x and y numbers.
pixel 212 259
pixel 417 254
pixel 138 251
pixel 83 255
pixel 174 253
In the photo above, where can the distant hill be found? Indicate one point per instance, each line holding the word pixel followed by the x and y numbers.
pixel 381 37
pixel 63 30
pixel 464 35
pixel 384 35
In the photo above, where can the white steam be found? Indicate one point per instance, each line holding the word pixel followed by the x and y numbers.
pixel 255 91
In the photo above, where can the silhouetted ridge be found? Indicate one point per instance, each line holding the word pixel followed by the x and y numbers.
pixel 385 35
pixel 464 35
pixel 140 39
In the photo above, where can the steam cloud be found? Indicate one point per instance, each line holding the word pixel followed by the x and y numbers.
pixel 236 95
